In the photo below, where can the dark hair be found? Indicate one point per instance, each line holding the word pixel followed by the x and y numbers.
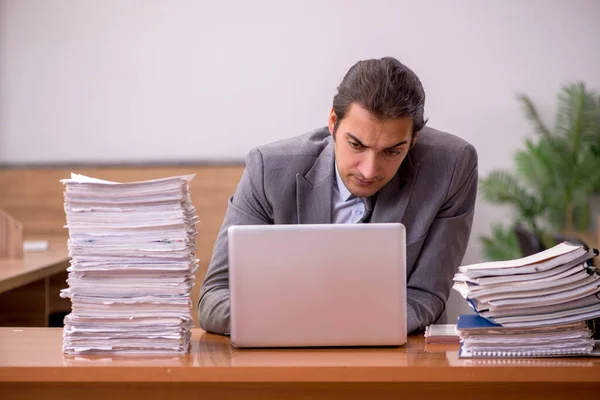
pixel 386 88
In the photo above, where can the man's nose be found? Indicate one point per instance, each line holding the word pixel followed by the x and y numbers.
pixel 368 167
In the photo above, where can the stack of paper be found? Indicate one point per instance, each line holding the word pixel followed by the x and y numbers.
pixel 132 248
pixel 482 338
pixel 441 334
pixel 555 286
pixel 535 306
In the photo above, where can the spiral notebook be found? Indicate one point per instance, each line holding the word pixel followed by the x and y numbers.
pixel 481 338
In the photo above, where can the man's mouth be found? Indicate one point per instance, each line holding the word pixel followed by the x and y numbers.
pixel 364 183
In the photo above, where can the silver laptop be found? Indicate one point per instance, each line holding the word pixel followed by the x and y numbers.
pixel 317 285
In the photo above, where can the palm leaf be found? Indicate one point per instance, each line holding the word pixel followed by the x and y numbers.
pixel 533 115
pixel 501 245
pixel 571 105
pixel 578 116
pixel 501 187
pixel 536 164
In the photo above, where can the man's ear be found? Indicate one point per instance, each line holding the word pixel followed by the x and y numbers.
pixel 332 121
pixel 415 136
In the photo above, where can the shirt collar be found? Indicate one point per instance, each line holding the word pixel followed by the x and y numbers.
pixel 342 189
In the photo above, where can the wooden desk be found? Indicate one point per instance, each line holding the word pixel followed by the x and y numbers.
pixel 30 287
pixel 32 366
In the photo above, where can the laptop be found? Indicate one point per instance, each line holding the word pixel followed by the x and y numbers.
pixel 317 285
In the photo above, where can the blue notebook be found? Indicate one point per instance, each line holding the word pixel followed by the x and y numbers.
pixel 474 321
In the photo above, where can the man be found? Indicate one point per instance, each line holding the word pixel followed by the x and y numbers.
pixel 374 162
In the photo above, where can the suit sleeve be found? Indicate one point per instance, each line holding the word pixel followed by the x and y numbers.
pixel 247 206
pixel 429 285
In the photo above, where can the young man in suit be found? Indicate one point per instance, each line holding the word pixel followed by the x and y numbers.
pixel 376 161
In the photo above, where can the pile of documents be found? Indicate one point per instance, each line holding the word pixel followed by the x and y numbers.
pixel 482 338
pixel 441 334
pixel 132 249
pixel 556 291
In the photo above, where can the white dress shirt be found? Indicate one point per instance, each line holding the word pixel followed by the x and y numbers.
pixel 347 208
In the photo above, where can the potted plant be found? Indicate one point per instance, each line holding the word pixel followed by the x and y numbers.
pixel 556 174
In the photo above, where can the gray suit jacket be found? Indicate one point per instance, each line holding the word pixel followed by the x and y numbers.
pixel 290 182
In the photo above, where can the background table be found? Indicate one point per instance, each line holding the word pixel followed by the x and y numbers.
pixel 30 286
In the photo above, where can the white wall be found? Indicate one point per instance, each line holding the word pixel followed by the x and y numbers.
pixel 129 80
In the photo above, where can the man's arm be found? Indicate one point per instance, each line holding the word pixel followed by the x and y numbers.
pixel 248 206
pixel 430 283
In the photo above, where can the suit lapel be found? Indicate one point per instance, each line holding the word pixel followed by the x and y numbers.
pixel 393 198
pixel 314 190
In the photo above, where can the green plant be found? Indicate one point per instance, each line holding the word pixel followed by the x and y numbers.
pixel 556 172
pixel 501 245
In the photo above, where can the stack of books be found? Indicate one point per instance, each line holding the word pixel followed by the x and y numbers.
pixel 528 306
pixel 132 249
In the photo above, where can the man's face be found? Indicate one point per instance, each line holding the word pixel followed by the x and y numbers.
pixel 368 152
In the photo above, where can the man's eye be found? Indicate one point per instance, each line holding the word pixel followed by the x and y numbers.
pixel 354 145
pixel 392 152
